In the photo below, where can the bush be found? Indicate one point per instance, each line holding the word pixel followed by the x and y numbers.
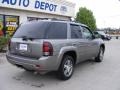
pixel 3 42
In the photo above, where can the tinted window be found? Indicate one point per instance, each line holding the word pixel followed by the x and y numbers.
pixel 57 31
pixel 75 31
pixel 87 34
pixel 42 30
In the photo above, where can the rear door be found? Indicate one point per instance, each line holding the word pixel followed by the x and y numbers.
pixel 91 44
pixel 78 41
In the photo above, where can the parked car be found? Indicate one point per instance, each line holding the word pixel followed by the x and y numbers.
pixel 103 35
pixel 108 37
pixel 45 46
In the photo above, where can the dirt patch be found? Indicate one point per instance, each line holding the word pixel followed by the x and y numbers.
pixel 39 85
pixel 33 84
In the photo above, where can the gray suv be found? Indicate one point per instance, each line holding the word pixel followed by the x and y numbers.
pixel 45 45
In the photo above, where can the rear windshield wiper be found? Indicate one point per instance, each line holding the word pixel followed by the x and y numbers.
pixel 25 38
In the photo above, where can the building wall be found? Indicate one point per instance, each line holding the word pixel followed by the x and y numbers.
pixel 11 18
pixel 55 7
pixel 15 12
pixel 24 14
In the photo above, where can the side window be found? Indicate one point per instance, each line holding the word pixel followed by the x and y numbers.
pixel 57 30
pixel 87 34
pixel 75 31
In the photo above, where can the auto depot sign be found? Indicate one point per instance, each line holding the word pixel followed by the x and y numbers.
pixel 46 6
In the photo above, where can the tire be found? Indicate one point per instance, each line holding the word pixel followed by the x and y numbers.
pixel 100 55
pixel 66 68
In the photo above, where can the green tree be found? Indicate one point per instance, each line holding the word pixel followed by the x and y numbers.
pixel 86 16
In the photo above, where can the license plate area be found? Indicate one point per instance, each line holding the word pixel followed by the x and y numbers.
pixel 23 47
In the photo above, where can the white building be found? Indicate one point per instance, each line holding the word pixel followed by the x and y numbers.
pixel 14 12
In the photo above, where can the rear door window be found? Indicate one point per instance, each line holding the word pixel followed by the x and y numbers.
pixel 75 31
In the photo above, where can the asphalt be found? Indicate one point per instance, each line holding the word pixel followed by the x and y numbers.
pixel 88 75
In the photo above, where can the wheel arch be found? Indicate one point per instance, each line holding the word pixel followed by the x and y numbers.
pixel 71 53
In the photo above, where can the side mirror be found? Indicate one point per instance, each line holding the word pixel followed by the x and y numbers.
pixel 97 35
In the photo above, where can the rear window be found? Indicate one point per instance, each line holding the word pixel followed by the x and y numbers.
pixel 42 30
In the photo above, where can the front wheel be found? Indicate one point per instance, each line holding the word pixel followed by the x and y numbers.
pixel 100 56
pixel 66 68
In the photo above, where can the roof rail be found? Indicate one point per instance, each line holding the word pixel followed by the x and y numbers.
pixel 55 19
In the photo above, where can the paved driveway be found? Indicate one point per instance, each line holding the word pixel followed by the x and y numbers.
pixel 87 76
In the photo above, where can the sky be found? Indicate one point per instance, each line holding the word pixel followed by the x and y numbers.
pixel 106 12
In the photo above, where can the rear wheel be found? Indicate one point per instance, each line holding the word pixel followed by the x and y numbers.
pixel 66 68
pixel 100 56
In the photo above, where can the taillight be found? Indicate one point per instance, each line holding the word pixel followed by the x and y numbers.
pixel 9 43
pixel 47 49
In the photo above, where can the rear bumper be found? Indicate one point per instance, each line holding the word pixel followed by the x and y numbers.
pixel 45 64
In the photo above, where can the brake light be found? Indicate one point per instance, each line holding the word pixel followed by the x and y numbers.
pixel 47 49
